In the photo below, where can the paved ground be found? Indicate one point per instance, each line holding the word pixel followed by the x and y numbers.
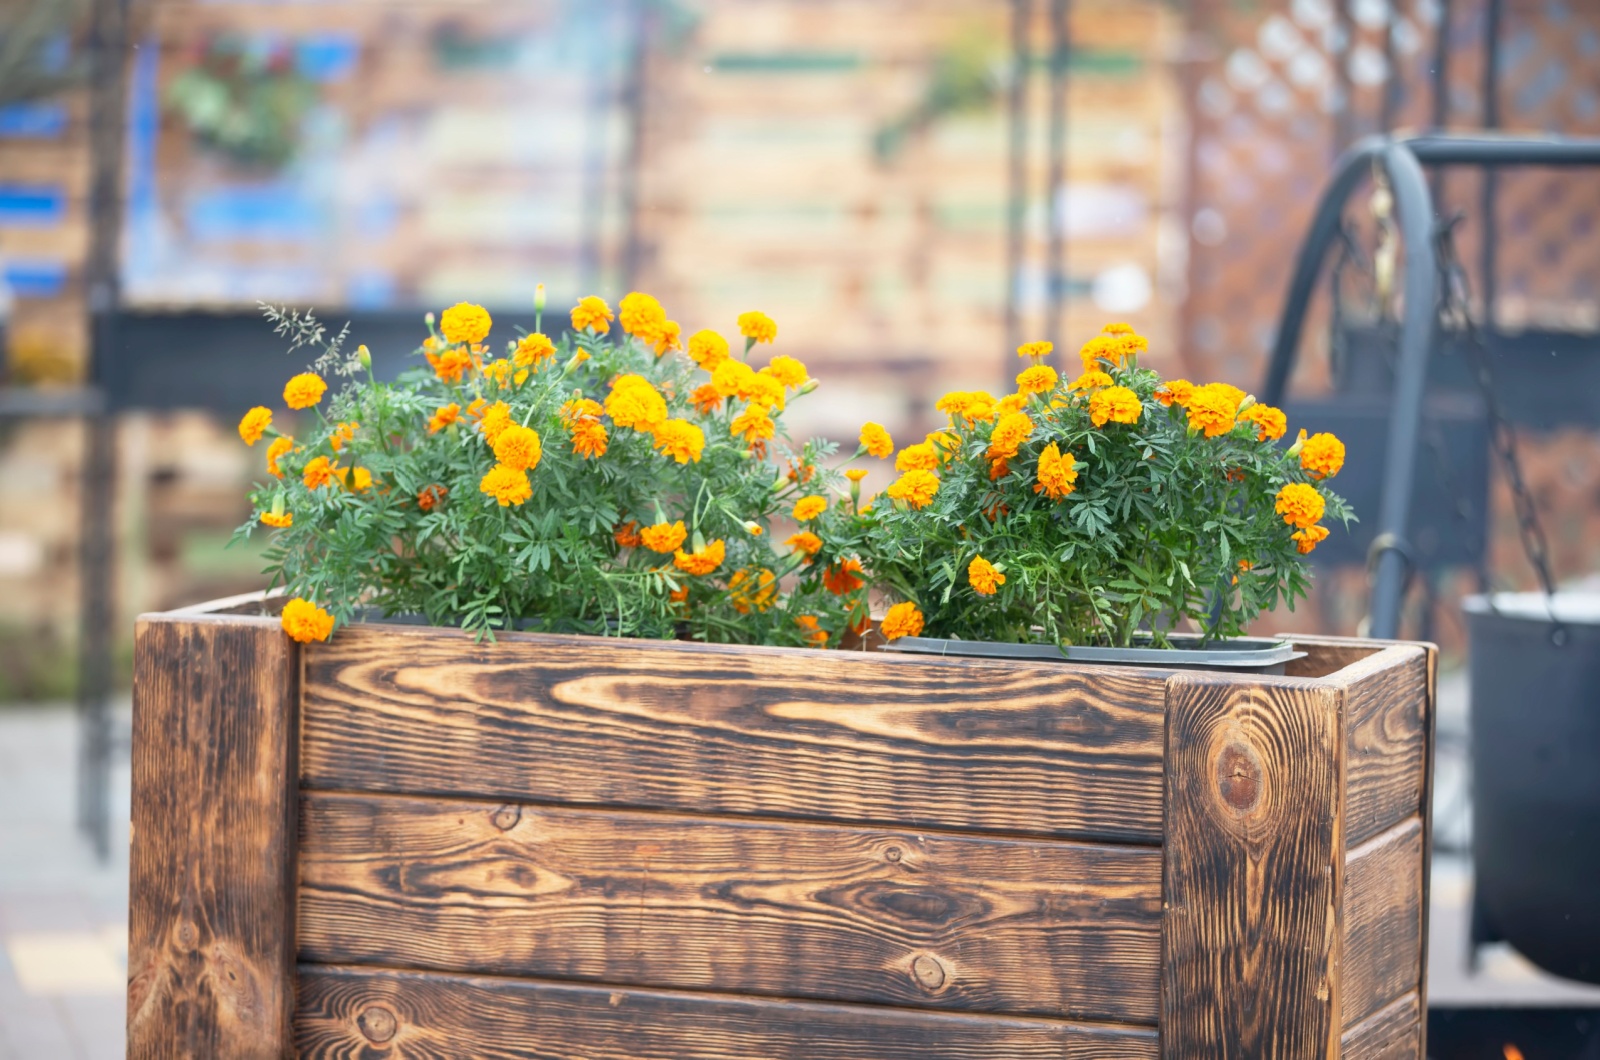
pixel 63 917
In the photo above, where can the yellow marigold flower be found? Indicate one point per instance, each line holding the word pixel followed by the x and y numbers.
pixel 708 349
pixel 1308 539
pixel 592 312
pixel 766 390
pixel 903 620
pixel 1035 350
pixel 1270 423
pixel 1300 505
pixel 815 634
pixel 983 576
pixel 1118 329
pixel 916 488
pixel 633 402
pixel 508 485
pixel 279 449
pixel 356 479
pixel 305 622
pixel 789 371
pixel 875 438
pixel 254 424
pixel 970 405
pixel 701 560
pixel 1040 379
pixel 281 521
pixel 1012 403
pixel 495 418
pixel 1322 456
pixel 919 457
pixel 840 578
pixel 1090 380
pixel 733 378
pixel 1094 351
pixel 1013 429
pixel 318 473
pixel 639 313
pixel 705 399
pixel 442 417
pixel 579 409
pixel 1212 408
pixel 589 439
pixel 1120 349
pixel 805 542
pixel 343 433
pixel 747 590
pixel 758 327
pixel 464 322
pixel 499 372
pixel 753 423
pixel 664 537
pixel 1058 472
pixel 304 390
pixel 808 508
pixel 856 474
pixel 665 337
pixel 533 350
pixel 1114 404
pixel 1174 392
pixel 518 447
pixel 681 440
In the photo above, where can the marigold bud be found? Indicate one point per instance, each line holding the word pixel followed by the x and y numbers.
pixel 538 298
pixel 364 355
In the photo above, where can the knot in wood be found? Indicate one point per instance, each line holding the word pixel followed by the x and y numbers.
pixel 377 1023
pixel 928 972
pixel 506 817
pixel 1239 777
pixel 188 934
pixel 892 854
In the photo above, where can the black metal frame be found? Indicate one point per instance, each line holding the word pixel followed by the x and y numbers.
pixel 1402 162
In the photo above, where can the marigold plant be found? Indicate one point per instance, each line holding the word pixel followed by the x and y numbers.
pixel 1100 510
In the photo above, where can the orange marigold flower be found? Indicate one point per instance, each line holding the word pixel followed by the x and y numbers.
pixel 681 440
pixel 1118 329
pixel 766 390
pixel 840 578
pixel 464 322
pixel 747 590
pixel 813 633
pixel 1114 404
pixel 919 457
pixel 1120 349
pixel 1300 505
pixel 318 473
pixel 708 349
pixel 305 622
pixel 518 447
pixel 665 337
pixel 1092 379
pixel 808 508
pixel 452 365
pixel 1308 539
pixel 789 371
pixel 1096 350
pixel 856 474
pixel 875 439
pixel 1012 403
pixel 805 542
pixel 355 479
pixel 734 379
pixel 579 409
pixel 753 424
pixel 705 399
pixel 279 449
pixel 664 537
pixel 431 497
pixel 443 416
pixel 533 350
pixel 507 485
pixel 1058 473
pixel 496 418
pixel 254 424
pixel 1040 379
pixel 1174 392
pixel 970 405
pixel 701 560
pixel 639 313
pixel 627 535
pixel 1013 429
pixel 984 577
pixel 281 521
pixel 304 390
pixel 592 312
pixel 916 488
pixel 1212 409
pixel 758 327
pixel 1322 456
pixel 589 439
pixel 999 468
pixel 633 402
pixel 475 410
pixel 1035 350
pixel 343 433
pixel 902 620
pixel 679 595
pixel 801 472
pixel 1270 422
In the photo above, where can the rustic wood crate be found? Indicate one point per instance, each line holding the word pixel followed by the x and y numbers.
pixel 404 843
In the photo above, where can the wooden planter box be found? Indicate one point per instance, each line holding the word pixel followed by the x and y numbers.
pixel 404 843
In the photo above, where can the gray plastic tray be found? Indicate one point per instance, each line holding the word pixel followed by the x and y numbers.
pixel 1245 654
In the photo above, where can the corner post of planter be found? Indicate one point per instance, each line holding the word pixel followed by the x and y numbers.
pixel 211 874
pixel 1252 874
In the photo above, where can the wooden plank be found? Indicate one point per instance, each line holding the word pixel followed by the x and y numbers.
pixel 1392 1033
pixel 1383 920
pixel 1387 712
pixel 954 922
pixel 348 1013
pixel 1251 880
pixel 211 871
pixel 1326 657
pixel 867 738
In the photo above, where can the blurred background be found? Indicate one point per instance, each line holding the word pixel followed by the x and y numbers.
pixel 910 187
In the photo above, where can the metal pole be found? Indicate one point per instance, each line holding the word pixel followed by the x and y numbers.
pixel 1060 52
pixel 1017 191
pixel 1491 120
pixel 108 50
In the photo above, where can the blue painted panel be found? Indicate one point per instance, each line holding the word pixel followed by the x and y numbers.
pixel 327 57
pixel 273 212
pixel 33 121
pixel 36 279
pixel 371 290
pixel 32 205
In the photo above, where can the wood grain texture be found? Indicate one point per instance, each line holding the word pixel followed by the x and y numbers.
pixel 954 922
pixel 867 738
pixel 1250 962
pixel 1326 657
pixel 1392 1033
pixel 1383 920
pixel 345 1014
pixel 1387 718
pixel 211 872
